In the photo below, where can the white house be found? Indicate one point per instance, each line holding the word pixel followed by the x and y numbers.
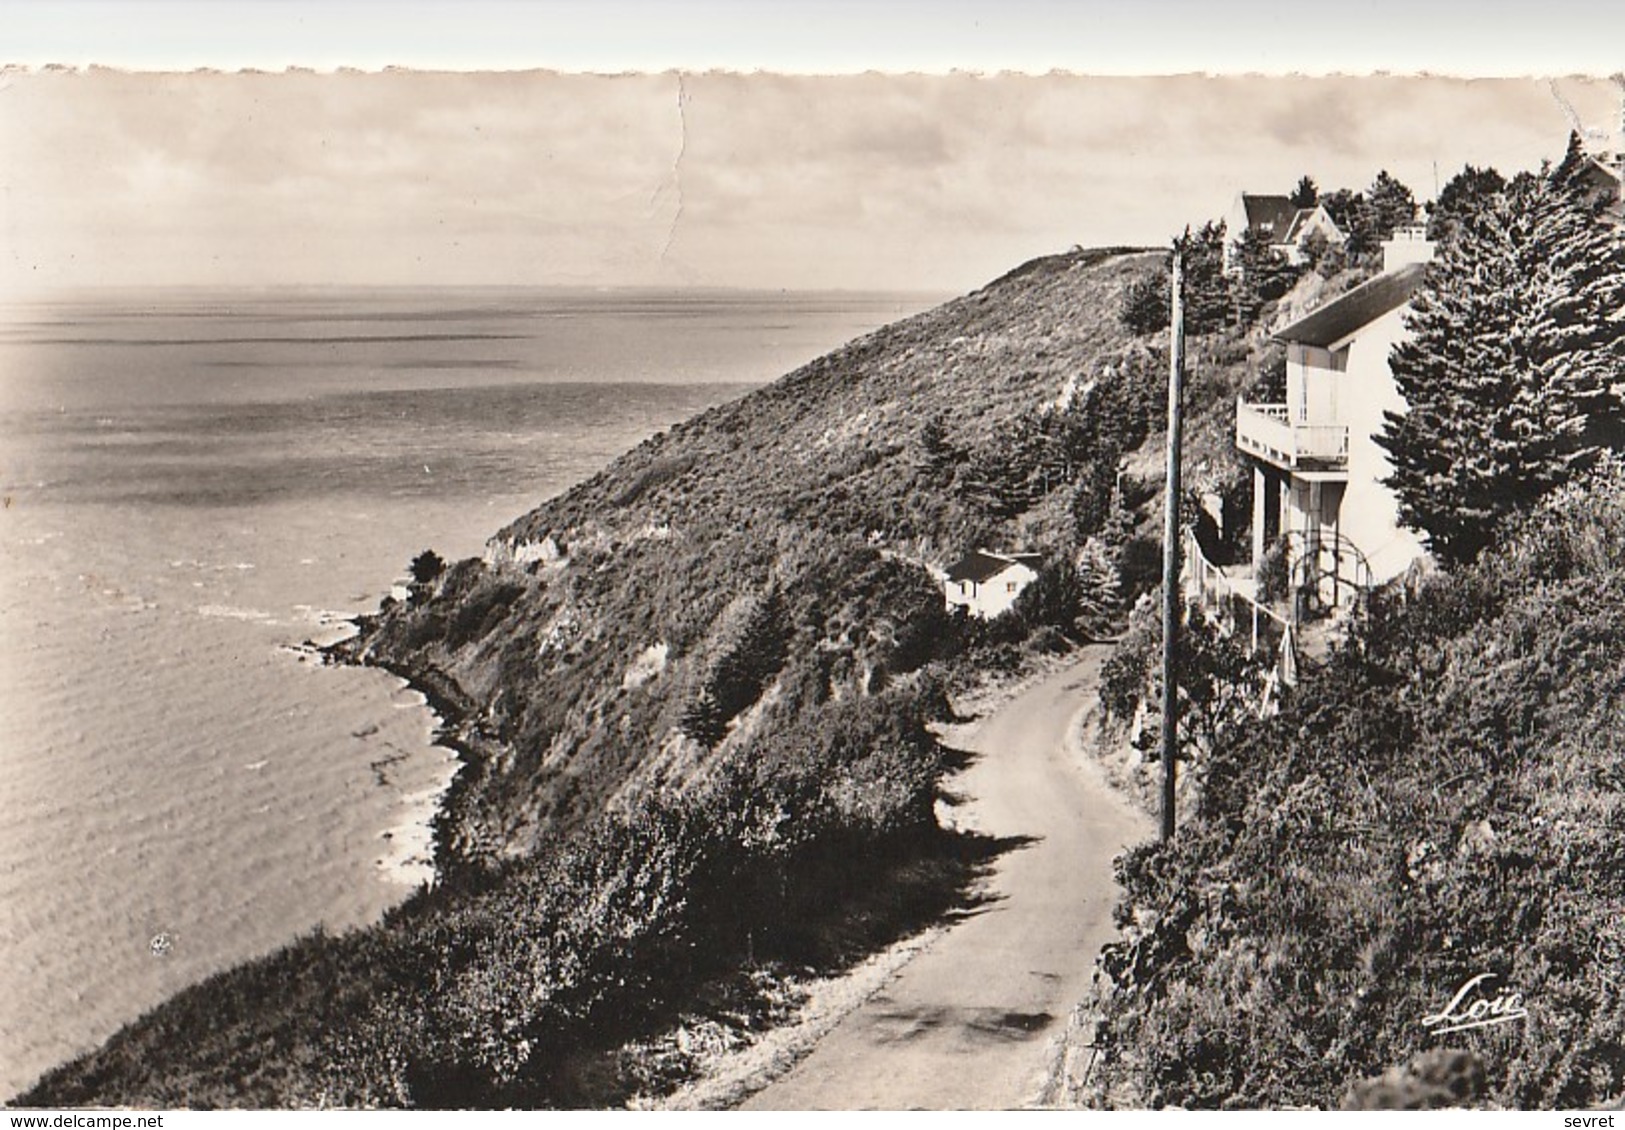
pixel 1317 468
pixel 986 584
pixel 1277 219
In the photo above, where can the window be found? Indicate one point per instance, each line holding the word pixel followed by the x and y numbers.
pixel 1010 587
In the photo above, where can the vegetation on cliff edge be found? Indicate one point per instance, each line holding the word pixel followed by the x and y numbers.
pixel 692 697
pixel 1443 800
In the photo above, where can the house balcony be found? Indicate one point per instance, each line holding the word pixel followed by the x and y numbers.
pixel 1267 432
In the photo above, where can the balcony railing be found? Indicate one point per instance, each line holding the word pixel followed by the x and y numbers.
pixel 1266 431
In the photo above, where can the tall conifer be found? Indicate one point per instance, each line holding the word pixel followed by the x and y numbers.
pixel 1516 344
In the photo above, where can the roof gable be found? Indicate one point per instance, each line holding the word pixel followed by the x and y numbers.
pixel 980 566
pixel 1309 219
pixel 1346 314
pixel 1604 170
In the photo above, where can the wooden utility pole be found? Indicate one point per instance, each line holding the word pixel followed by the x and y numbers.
pixel 1170 546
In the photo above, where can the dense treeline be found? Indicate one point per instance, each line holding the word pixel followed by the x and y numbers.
pixel 1238 289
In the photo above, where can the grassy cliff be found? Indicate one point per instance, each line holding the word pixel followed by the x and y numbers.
pixel 758 561
pixel 692 696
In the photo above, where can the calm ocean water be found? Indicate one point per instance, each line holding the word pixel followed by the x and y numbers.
pixel 190 487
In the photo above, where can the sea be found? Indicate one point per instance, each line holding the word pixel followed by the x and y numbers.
pixel 194 487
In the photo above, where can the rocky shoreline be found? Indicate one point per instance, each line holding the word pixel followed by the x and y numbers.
pixel 454 731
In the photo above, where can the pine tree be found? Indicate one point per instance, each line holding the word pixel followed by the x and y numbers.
pixel 1307 194
pixel 755 655
pixel 1093 494
pixel 1515 345
pixel 703 719
pixel 1265 275
pixel 427 567
pixel 1100 587
pixel 1574 159
pixel 1051 600
pixel 1392 205
pixel 1004 474
pixel 1351 212
pixel 1145 304
pixel 1596 198
pixel 1368 219
pixel 1463 195
pixel 1207 288
pixel 937 453
pixel 1122 402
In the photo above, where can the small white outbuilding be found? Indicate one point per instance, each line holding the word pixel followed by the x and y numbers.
pixel 986 584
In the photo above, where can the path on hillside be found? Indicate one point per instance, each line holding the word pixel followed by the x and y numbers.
pixel 967 1023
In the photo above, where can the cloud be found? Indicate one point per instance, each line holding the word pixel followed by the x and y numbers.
pixel 759 180
pixel 325 173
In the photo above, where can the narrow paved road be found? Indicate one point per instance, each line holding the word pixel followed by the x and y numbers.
pixel 967 1023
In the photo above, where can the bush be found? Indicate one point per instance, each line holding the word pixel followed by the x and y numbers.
pixel 1442 800
pixel 427 567
pixel 1271 573
pixel 1145 304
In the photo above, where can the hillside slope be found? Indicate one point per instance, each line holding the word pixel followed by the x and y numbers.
pixel 1444 800
pixel 692 697
pixel 763 558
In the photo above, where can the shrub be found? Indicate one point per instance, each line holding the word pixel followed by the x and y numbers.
pixel 427 567
pixel 1145 304
pixel 1441 800
pixel 1271 573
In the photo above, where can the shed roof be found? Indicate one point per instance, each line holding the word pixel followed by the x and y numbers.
pixel 1335 320
pixel 1607 167
pixel 979 565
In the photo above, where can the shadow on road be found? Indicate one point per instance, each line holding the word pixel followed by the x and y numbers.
pixel 977 854
pixel 972 1025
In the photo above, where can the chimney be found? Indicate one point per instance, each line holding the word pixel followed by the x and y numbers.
pixel 1410 244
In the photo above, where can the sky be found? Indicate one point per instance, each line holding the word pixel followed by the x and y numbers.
pixel 678 173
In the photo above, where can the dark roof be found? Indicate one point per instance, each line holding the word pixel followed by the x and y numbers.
pixel 1271 214
pixel 1335 320
pixel 1600 170
pixel 980 565
pixel 1604 179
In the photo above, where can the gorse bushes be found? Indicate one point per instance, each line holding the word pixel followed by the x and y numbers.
pixel 589 946
pixel 489 994
pixel 1446 798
